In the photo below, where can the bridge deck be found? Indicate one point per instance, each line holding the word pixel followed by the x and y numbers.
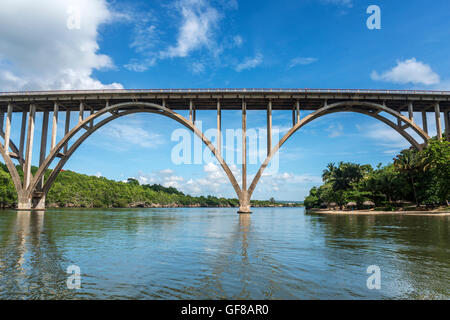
pixel 231 99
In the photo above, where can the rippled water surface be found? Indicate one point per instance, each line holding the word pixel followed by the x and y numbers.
pixel 280 253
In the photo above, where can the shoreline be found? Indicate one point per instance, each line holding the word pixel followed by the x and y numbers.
pixel 433 213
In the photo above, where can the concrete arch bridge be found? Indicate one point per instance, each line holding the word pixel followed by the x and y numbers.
pixel 95 108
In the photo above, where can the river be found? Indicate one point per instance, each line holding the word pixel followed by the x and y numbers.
pixel 213 253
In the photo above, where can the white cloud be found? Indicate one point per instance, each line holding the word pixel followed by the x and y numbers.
pixel 38 51
pixel 132 134
pixel 285 182
pixel 214 182
pixel 250 63
pixel 301 61
pixel 165 177
pixel 199 20
pixel 408 71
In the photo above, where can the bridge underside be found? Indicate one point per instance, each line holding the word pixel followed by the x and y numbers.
pixel 396 109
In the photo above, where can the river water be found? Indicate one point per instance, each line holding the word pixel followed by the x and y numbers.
pixel 213 253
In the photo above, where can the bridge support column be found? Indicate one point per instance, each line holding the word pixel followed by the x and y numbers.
pixel 38 203
pixel 437 114
pixel 23 202
pixel 27 203
pixel 244 203
pixel 447 124
pixel 424 122
pixel 244 199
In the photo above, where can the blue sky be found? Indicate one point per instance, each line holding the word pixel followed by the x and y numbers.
pixel 226 44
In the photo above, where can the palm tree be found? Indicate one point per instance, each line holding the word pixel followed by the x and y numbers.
pixel 329 172
pixel 409 161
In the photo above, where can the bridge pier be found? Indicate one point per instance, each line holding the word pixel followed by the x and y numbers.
pixel 244 203
pixel 26 203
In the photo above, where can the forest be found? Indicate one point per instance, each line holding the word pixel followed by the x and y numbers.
pixel 414 178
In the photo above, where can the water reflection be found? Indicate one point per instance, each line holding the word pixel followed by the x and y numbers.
pixel 28 253
pixel 276 253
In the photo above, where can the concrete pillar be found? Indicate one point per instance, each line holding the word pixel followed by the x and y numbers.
pixel 424 122
pixel 23 201
pixel 219 128
pixel 190 110
pixel 22 136
pixel 244 200
pixel 437 114
pixel 91 123
pixel 81 115
pixel 66 129
pixel 447 124
pixel 2 120
pixel 244 203
pixel 297 106
pixel 410 112
pixel 43 151
pixel 269 127
pixel 38 203
pixel 54 126
pixel 244 145
pixel 8 127
pixel 29 149
pixel 293 116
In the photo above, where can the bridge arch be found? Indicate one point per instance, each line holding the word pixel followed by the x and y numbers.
pixel 373 110
pixel 130 108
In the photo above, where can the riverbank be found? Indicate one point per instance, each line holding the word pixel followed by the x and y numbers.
pixel 376 212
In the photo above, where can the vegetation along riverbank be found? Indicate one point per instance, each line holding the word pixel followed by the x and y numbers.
pixel 72 189
pixel 415 181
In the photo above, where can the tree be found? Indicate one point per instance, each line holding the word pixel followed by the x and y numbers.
pixel 410 162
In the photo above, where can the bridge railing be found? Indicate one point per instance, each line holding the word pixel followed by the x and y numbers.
pixel 232 90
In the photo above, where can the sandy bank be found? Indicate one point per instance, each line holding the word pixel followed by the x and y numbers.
pixel 373 212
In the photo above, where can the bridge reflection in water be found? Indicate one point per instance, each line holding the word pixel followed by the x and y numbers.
pixel 281 253
pixel 97 108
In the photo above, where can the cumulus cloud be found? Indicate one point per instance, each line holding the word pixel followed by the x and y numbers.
pixel 43 44
pixel 214 181
pixel 408 71
pixel 250 63
pixel 165 177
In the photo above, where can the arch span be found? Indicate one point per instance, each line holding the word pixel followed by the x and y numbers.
pixel 127 109
pixel 346 106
